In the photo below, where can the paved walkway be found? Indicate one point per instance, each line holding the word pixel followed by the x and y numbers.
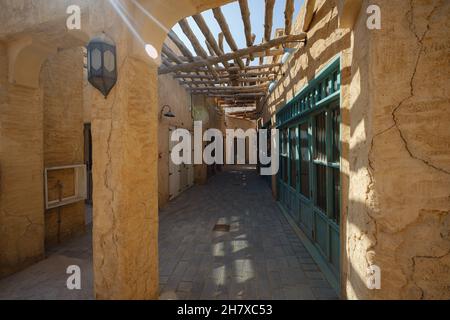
pixel 259 258
pixel 46 280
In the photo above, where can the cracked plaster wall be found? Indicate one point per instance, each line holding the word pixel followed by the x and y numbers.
pixel 173 94
pixel 62 79
pixel 396 143
pixel 408 195
pixel 21 174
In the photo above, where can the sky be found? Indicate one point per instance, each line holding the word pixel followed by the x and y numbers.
pixel 232 14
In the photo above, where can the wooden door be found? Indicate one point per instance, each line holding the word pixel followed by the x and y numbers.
pixel 174 171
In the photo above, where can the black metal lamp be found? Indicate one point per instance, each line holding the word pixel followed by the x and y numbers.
pixel 102 64
pixel 168 113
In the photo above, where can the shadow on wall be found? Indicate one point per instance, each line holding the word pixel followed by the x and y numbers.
pixel 398 210
pixel 311 63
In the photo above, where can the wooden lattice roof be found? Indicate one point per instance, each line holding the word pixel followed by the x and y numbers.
pixel 229 77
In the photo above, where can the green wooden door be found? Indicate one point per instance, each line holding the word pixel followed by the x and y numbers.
pixel 326 183
pixel 305 184
pixel 309 179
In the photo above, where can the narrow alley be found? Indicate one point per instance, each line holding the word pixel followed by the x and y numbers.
pixel 259 257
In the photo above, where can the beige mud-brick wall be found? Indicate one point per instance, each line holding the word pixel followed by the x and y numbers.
pixel 405 227
pixel 234 123
pixel 395 148
pixel 171 93
pixel 205 110
pixel 325 41
pixel 21 174
pixel 62 79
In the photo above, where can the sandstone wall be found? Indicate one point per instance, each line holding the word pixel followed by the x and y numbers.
pixel 405 227
pixel 238 123
pixel 21 174
pixel 205 110
pixel 62 79
pixel 124 136
pixel 173 94
pixel 395 143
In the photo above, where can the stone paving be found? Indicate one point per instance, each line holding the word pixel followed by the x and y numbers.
pixel 259 258
pixel 46 280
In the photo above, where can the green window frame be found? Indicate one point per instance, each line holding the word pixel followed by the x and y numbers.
pixel 313 200
pixel 326 161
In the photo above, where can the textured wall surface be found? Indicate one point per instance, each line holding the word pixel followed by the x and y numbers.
pixel 21 174
pixel 62 79
pixel 171 93
pixel 395 160
pixel 405 227
pixel 325 42
pixel 124 138
pixel 395 149
pixel 125 142
pixel 205 110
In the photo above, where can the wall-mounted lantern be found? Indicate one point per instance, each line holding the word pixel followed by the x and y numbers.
pixel 102 64
pixel 168 113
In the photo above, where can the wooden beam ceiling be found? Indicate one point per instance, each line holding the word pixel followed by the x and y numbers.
pixel 234 55
pixel 268 19
pixel 245 12
pixel 224 75
pixel 196 44
pixel 288 13
pixel 218 15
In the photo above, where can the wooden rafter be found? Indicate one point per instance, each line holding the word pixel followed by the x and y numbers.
pixel 234 55
pixel 264 66
pixel 250 74
pixel 211 72
pixel 255 88
pixel 245 12
pixel 268 53
pixel 288 13
pixel 196 45
pixel 218 15
pixel 212 94
pixel 184 24
pixel 251 102
pixel 220 37
pixel 210 49
pixel 171 57
pixel 210 40
pixel 180 45
pixel 237 95
pixel 226 80
pixel 170 54
pixel 268 19
pixel 165 61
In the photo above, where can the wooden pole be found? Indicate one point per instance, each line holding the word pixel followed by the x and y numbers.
pixel 233 55
pixel 268 19
pixel 196 44
pixel 221 76
pixel 237 95
pixel 170 54
pixel 288 13
pixel 245 12
pixel 226 80
pixel 227 33
pixel 255 88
